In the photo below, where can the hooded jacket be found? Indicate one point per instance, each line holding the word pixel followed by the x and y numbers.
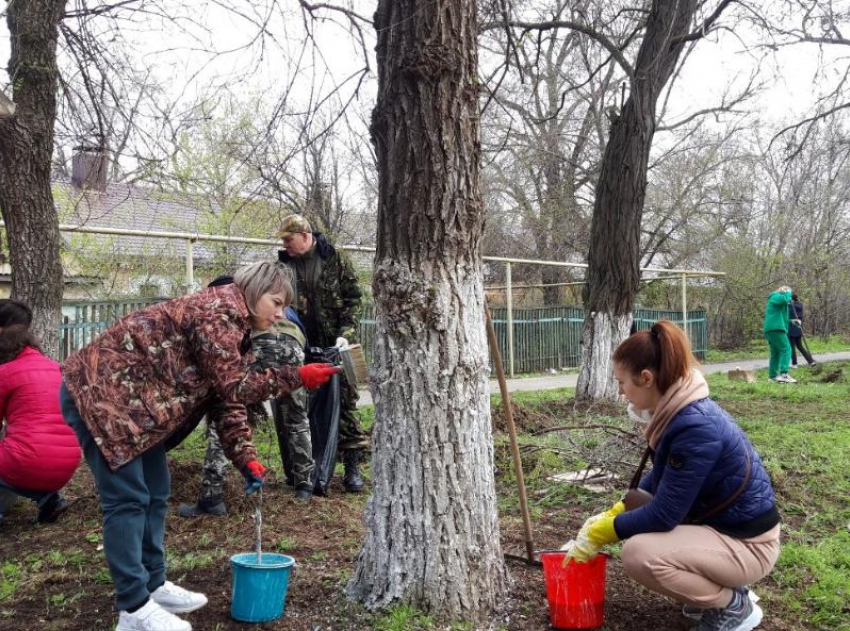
pixel 776 312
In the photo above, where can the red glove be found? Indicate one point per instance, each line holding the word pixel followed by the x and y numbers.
pixel 315 375
pixel 256 468
pixel 253 473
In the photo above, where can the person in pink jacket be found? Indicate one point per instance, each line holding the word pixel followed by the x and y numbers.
pixel 38 451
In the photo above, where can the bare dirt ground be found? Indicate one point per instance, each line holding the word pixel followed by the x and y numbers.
pixel 60 580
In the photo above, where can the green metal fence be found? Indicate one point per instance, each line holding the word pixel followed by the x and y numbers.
pixel 82 321
pixel 550 337
pixel 544 338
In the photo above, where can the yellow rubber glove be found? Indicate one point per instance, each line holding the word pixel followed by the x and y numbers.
pixel 617 509
pixel 600 533
pixel 585 547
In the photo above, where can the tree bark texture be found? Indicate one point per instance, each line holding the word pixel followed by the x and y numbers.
pixel 613 275
pixel 26 147
pixel 432 535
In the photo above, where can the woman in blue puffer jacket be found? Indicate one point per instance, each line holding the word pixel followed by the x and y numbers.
pixel 708 526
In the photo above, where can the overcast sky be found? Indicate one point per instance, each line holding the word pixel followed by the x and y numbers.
pixel 715 63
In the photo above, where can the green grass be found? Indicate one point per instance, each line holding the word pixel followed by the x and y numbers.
pixel 403 618
pixel 758 348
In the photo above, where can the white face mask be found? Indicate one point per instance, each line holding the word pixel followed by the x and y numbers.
pixel 639 416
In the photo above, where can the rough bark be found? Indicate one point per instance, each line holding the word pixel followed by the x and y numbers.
pixel 613 275
pixel 432 535
pixel 26 147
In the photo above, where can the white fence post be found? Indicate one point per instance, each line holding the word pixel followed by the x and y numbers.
pixel 190 266
pixel 510 301
pixel 685 304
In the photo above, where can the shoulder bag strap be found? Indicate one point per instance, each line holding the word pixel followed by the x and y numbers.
pixel 731 499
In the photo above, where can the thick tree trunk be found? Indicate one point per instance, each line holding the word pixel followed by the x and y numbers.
pixel 613 275
pixel 432 526
pixel 26 147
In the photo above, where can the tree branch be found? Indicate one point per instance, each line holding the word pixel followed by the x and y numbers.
pixel 315 6
pixel 808 121
pixel 595 35
pixel 703 30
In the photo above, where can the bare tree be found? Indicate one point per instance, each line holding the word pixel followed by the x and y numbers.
pixel 541 146
pixel 432 522
pixel 613 276
pixel 26 148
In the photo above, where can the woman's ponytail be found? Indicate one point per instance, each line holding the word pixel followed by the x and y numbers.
pixel 664 349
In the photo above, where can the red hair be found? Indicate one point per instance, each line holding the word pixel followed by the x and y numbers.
pixel 664 349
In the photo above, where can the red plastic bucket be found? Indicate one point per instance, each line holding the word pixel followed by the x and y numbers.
pixel 576 592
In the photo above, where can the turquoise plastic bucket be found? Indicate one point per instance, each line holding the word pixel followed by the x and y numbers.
pixel 259 589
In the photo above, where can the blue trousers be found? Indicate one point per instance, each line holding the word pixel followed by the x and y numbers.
pixel 134 502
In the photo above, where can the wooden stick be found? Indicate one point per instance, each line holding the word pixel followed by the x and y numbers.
pixel 506 403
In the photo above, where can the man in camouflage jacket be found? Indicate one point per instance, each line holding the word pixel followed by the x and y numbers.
pixel 329 303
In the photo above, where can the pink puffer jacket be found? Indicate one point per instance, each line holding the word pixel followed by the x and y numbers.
pixel 39 452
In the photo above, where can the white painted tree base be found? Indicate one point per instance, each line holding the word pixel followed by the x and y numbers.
pixel 432 530
pixel 602 333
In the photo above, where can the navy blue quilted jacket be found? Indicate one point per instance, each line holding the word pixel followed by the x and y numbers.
pixel 700 462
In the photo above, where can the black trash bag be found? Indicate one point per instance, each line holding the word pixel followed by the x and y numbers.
pixel 324 433
pixel 323 412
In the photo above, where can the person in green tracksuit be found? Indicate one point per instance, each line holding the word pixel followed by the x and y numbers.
pixel 776 323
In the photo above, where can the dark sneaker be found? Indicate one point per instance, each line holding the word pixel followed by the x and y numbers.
pixel 213 506
pixel 50 508
pixel 695 613
pixel 304 492
pixel 742 614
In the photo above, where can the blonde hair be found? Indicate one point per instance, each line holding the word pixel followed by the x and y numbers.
pixel 258 279
pixel 785 289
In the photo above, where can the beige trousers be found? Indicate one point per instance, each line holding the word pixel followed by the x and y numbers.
pixel 697 565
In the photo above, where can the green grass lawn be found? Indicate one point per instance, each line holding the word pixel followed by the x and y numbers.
pixel 758 348
pixel 802 432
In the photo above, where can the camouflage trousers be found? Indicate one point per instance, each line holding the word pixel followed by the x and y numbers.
pixel 292 425
pixel 350 434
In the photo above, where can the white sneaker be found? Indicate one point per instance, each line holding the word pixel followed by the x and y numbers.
pixel 786 378
pixel 151 617
pixel 175 599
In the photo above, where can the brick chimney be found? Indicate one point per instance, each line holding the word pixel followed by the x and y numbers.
pixel 88 168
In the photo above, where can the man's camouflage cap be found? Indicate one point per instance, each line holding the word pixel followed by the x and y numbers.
pixel 293 224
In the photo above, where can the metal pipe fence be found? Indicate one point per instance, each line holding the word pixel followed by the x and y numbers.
pixel 552 346
pixel 544 339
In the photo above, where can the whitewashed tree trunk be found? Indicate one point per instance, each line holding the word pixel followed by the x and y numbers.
pixel 613 272
pixel 432 524
pixel 432 531
pixel 601 334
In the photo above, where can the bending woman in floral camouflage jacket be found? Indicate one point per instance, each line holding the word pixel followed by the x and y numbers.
pixel 143 379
